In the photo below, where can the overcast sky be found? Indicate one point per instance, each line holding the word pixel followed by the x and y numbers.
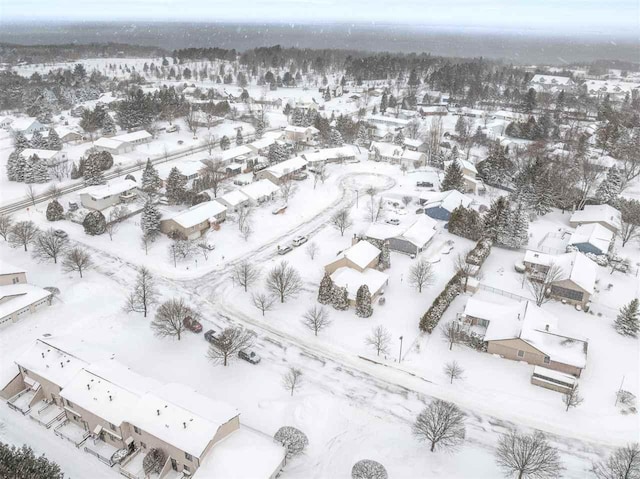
pixel 559 16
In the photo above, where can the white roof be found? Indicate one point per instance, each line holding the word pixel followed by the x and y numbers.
pixel 387 119
pixel 594 234
pixel 448 200
pixel 186 168
pixel 262 143
pixel 421 232
pixel 383 231
pixel 597 214
pixel 235 152
pixel 535 257
pixel 131 137
pixel 20 124
pixel 260 189
pixel 551 79
pixel 352 279
pixel 297 129
pixel 233 198
pixel 579 269
pixel 15 297
pixel 42 154
pixel 504 318
pixel 199 213
pixel 244 454
pixel 415 143
pixel 108 143
pixel 181 406
pixel 7 268
pixel 288 166
pixel 464 164
pixel 412 155
pixel 362 253
pixel 328 154
pixel 114 188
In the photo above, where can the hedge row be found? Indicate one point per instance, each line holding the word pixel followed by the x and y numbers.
pixel 430 319
pixel 480 252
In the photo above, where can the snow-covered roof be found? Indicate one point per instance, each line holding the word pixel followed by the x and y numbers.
pixel 352 279
pixel 233 198
pixel 199 213
pixel 21 124
pixel 448 200
pixel 387 119
pixel 235 152
pixel 326 154
pixel 579 269
pixel 597 214
pixel 297 129
pixel 133 137
pixel 264 142
pixel 594 234
pixel 551 80
pixel 559 348
pixel 108 143
pixel 188 420
pixel 260 189
pixel 464 164
pixel 288 166
pixel 387 149
pixel 362 253
pixel 15 297
pixel 504 318
pixel 186 168
pixel 99 192
pixel 244 454
pixel 414 143
pixel 421 232
pixel 384 231
pixel 535 257
pixel 42 154
pixel 7 268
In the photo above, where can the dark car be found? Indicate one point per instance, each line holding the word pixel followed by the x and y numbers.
pixel 249 356
pixel 211 336
pixel 60 233
pixel 192 324
pixel 425 184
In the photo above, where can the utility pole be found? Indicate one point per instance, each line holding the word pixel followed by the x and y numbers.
pixel 400 355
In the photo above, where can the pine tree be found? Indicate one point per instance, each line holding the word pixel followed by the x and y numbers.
pixel 327 94
pixel 37 141
pixel 611 186
pixel 92 172
pixel 465 222
pixel 55 211
pixel 325 293
pixel 363 135
pixel 150 181
pixel 628 321
pixel 225 142
pixel 53 140
pixel 277 153
pixel 335 138
pixel 363 302
pixel 399 138
pixel 108 125
pixel 494 219
pixel 518 236
pixel 94 223
pixel 15 166
pixel 259 128
pixel 28 170
pixel 453 178
pixel 40 170
pixel 340 298
pixel 150 221
pixel 20 142
pixel 75 173
pixel 175 187
pixel 239 138
pixel 383 103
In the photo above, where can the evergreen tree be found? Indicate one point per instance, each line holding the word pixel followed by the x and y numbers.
pixel 383 103
pixel 340 298
pixel 530 100
pixel 53 140
pixel 108 125
pixel 363 135
pixel 75 173
pixel 259 128
pixel 37 141
pixel 363 302
pixel 239 139
pixel 28 171
pixel 15 166
pixel 20 142
pixel 175 186
pixel 611 186
pixel 92 172
pixel 465 222
pixel 628 321
pixel 40 170
pixel 225 142
pixel 399 138
pixel 497 169
pixel 453 178
pixel 150 181
pixel 325 293
pixel 335 138
pixel 297 118
pixel 55 211
pixel 277 153
pixel 495 218
pixel 327 94
pixel 150 221
pixel 94 223
pixel 518 231
pixel 21 462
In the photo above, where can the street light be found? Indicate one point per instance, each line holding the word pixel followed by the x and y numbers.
pixel 400 355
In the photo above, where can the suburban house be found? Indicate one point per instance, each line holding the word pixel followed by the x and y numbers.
pixel 110 145
pixel 551 82
pixel 522 331
pixel 51 157
pixel 412 240
pixel 103 406
pixel 355 267
pixel 190 170
pixel 5 122
pixel 334 90
pixel 415 145
pixel 329 155
pixel 470 174
pixel 17 297
pixel 260 191
pixel 65 134
pixel 440 205
pixel 576 279
pixel 193 222
pixel 300 134
pixel 395 154
pixel 434 110
pixel 134 138
pixel 604 215
pixel 234 200
pixel 387 121
pixel 261 146
pixel 101 197
pixel 238 154
pixel 592 238
pixel 27 126
pixel 200 118
pixel 282 171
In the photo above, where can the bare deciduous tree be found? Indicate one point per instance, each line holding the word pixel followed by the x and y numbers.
pixel 48 245
pixel 246 273
pixel 54 192
pixel 421 274
pixel 527 456
pixel 263 301
pixel 342 221
pixel 228 344
pixel 539 287
pixel 287 188
pixel 212 175
pixel 624 463
pixel 76 259
pixel 380 339
pixel 453 371
pixel 144 293
pixel 451 333
pixel 312 249
pixel 284 281
pixel 320 173
pixel 192 120
pixel 316 319
pixel 116 215
pixel 6 222
pixel 246 231
pixel 292 379
pixel 464 269
pixel 209 142
pixel 244 217
pixel 572 397
pixel 441 424
pixel 23 233
pixel 181 249
pixel 169 319
pixel 375 210
pixel 31 194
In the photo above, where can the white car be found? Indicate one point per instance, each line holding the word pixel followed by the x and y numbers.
pixel 299 240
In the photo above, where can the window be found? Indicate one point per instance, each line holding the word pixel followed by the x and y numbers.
pixel 520 353
pixel 136 429
pixel 567 293
pixel 547 359
pixel 187 456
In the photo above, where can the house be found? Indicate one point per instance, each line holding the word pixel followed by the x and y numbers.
pixel 575 275
pixel 352 280
pixel 434 110
pixel 359 256
pixel 470 173
pixel 280 172
pixel 415 145
pixel 329 155
pixel 234 200
pixel 261 146
pixel 238 154
pixel 395 154
pixel 334 90
pixel 604 215
pixel 111 145
pixel 135 138
pixel 190 170
pixel 412 240
pixel 260 191
pixel 27 126
pixel 65 134
pixel 592 238
pixel 300 134
pixel 440 205
pixel 104 406
pixel 401 113
pixel 551 82
pixel 522 331
pixel 387 121
pixel 17 297
pixel 200 118
pixel 193 222
pixel 51 157
pixel 5 122
pixel 101 197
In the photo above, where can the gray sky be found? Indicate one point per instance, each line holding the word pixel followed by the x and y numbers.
pixel 557 16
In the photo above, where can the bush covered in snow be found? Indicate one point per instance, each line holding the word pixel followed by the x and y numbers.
pixel 480 252
pixel 368 469
pixel 154 461
pixel 294 440
pixel 55 211
pixel 430 319
pixel 94 223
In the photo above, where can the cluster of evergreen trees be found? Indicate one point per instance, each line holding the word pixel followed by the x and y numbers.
pixel 337 296
pixel 32 169
pixel 542 129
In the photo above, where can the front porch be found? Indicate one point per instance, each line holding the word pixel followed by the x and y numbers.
pixel 103 451
pixel 72 432
pixel 21 402
pixel 46 413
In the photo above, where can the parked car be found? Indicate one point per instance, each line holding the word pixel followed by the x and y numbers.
pixel 279 210
pixel 300 176
pixel 172 128
pixel 249 356
pixel 192 324
pixel 425 184
pixel 285 249
pixel 300 240
pixel 393 221
pixel 60 233
pixel 211 336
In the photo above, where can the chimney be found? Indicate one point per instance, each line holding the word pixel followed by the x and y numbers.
pixel 158 411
